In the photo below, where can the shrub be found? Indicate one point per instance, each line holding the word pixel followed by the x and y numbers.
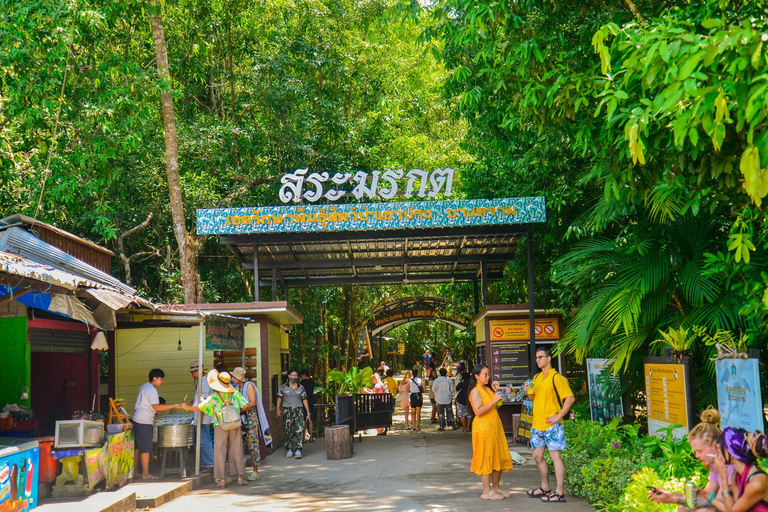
pixel 635 495
pixel 603 462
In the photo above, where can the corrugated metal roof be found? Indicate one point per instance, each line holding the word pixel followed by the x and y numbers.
pixel 23 219
pixel 17 240
pixel 16 265
pixel 117 300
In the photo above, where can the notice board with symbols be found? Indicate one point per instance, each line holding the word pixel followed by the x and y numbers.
pixel 509 362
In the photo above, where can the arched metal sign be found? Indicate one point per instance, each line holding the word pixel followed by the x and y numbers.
pixel 413 309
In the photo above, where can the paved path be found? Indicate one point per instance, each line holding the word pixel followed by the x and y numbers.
pixel 404 471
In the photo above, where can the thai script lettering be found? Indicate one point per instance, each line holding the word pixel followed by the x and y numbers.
pixel 303 185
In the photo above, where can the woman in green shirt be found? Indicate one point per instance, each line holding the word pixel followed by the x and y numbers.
pixel 227 444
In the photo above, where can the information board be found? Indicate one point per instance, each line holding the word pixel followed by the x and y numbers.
pixel 520 329
pixel 667 395
pixel 509 362
pixel 739 398
pixel 603 406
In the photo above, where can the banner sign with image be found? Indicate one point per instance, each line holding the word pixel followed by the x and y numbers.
pixel 223 335
pixel 603 406
pixel 738 393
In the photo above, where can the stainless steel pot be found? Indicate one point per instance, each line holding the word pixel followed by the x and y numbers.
pixel 175 436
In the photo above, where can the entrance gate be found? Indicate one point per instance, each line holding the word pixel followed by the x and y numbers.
pixel 380 243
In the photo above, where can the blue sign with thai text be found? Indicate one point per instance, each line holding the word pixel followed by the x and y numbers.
pixel 370 216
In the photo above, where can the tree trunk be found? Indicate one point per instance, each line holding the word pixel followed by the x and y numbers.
pixel 190 279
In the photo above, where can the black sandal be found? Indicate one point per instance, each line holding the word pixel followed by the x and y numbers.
pixel 553 498
pixel 532 493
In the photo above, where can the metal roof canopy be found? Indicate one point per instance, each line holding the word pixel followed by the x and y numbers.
pixel 410 255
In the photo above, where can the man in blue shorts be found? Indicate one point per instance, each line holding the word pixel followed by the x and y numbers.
pixel 552 399
pixel 147 405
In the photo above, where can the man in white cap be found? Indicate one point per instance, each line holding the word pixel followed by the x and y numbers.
pixel 206 444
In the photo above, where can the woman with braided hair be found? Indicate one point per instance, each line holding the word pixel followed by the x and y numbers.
pixel 703 439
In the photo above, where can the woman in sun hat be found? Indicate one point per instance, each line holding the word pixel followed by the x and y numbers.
pixel 227 444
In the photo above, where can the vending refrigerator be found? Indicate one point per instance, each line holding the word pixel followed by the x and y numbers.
pixel 19 463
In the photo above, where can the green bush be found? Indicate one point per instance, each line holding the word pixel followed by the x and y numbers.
pixel 603 463
pixel 635 496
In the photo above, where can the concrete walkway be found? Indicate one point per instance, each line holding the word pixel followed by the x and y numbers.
pixel 427 471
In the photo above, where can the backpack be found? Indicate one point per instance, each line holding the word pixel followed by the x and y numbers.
pixel 462 392
pixel 557 395
pixel 230 415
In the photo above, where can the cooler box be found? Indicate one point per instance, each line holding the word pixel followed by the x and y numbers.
pixel 19 466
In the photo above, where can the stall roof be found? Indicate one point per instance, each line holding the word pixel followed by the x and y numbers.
pixel 281 313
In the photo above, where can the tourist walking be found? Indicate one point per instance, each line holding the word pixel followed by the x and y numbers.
pixel 227 444
pixel 552 399
pixel 254 419
pixel 203 390
pixel 432 401
pixel 416 385
pixel 293 407
pixel 391 384
pixel 703 439
pixel 417 369
pixel 308 383
pixel 490 452
pixel 463 410
pixel 405 399
pixel 443 389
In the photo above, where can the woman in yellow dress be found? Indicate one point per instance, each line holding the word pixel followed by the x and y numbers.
pixel 490 456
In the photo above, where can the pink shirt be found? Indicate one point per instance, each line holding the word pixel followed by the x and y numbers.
pixel 714 476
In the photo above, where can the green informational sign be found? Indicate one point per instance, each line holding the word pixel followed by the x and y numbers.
pixel 223 335
pixel 119 458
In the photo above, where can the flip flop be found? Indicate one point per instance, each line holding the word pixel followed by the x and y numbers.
pixel 492 496
pixel 532 493
pixel 503 493
pixel 553 498
pixel 150 477
pixel 221 483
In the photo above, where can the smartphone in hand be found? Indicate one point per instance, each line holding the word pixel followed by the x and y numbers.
pixel 652 489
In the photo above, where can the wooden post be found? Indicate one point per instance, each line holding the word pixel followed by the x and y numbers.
pixel 338 443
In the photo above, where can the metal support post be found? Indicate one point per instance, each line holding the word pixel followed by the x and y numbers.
pixel 531 309
pixel 256 272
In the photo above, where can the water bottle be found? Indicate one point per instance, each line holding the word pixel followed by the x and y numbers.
pixel 690 494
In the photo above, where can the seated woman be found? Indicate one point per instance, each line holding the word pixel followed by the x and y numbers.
pixel 749 491
pixel 703 439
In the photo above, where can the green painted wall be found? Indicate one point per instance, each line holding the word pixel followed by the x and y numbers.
pixel 16 359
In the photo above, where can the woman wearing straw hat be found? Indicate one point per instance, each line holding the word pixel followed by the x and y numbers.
pixel 227 444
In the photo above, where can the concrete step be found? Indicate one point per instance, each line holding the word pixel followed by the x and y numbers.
pixel 136 495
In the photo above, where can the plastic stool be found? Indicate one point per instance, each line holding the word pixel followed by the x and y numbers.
pixel 181 458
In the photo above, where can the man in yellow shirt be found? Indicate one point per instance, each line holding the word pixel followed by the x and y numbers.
pixel 391 384
pixel 552 399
